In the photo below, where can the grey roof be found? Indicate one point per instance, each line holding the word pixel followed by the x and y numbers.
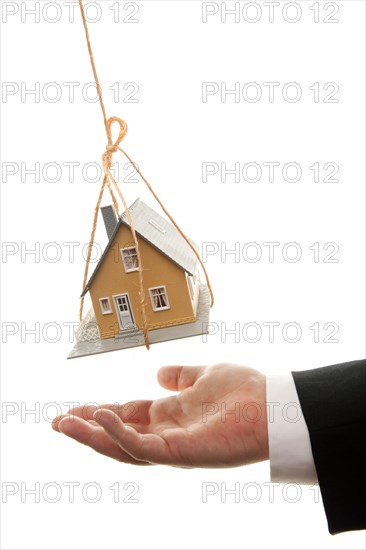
pixel 157 231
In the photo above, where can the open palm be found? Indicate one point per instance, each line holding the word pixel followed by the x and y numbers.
pixel 217 420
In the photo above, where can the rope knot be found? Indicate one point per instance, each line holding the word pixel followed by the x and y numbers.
pixel 113 147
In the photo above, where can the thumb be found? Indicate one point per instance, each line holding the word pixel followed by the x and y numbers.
pixel 179 378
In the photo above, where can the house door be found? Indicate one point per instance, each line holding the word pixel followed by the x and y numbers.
pixel 124 311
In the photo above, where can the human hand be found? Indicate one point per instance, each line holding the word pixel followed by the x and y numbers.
pixel 217 420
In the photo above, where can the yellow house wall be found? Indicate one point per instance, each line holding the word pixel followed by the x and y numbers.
pixel 158 270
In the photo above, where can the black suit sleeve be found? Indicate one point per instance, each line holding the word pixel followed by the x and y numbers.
pixel 333 401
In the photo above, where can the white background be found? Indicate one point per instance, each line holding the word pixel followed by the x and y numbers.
pixel 169 53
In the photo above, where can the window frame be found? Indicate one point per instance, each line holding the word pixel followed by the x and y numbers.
pixel 122 250
pixel 101 306
pixel 152 298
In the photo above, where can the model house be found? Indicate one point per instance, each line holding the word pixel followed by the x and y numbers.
pixel 170 274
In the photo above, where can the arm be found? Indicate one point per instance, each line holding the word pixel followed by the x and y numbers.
pixel 219 419
pixel 333 401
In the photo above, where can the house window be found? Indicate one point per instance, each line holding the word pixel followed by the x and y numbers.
pixel 159 298
pixel 105 305
pixel 129 258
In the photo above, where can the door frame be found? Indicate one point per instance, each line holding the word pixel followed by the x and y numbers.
pixel 114 296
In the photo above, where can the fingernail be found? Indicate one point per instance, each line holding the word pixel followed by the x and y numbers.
pixel 56 421
pixel 97 415
pixel 62 421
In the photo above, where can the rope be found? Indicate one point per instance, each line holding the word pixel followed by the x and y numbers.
pixel 107 161
pixel 110 182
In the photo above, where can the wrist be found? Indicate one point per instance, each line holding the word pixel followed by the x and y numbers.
pixel 264 417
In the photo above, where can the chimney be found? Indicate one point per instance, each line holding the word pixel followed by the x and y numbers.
pixel 110 219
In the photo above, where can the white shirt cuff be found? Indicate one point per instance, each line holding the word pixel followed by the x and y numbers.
pixel 290 454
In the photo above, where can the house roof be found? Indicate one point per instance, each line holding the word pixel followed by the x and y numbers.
pixel 159 232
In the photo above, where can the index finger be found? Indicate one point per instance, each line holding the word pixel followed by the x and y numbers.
pixel 130 412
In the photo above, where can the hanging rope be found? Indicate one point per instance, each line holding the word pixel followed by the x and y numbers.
pixel 110 182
